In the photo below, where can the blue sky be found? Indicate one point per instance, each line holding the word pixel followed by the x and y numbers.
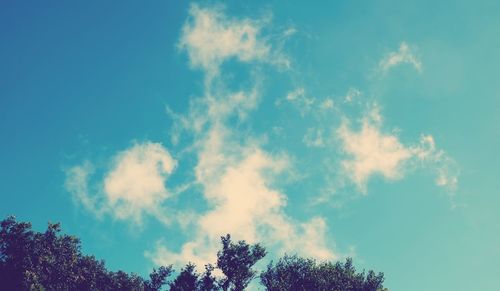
pixel 336 129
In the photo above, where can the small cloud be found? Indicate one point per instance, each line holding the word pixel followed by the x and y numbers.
pixel 278 130
pixel 314 138
pixel 77 183
pixel 210 38
pixel 445 168
pixel 370 151
pixel 289 32
pixel 295 95
pixel 135 184
pixel 315 244
pixel 299 99
pixel 327 104
pixel 403 55
pixel 351 95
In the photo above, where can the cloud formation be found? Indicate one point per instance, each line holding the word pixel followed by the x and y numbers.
pixel 237 177
pixel 314 138
pixel 404 55
pixel 304 103
pixel 134 185
pixel 210 37
pixel 244 204
pixel 370 151
pixel 236 174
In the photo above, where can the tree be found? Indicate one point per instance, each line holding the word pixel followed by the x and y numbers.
pixel 208 282
pixel 50 260
pixel 158 278
pixel 290 273
pixel 236 261
pixel 32 260
pixel 187 280
pixel 295 273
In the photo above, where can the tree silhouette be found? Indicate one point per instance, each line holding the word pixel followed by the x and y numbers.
pixel 52 261
pixel 208 282
pixel 236 261
pixel 158 278
pixel 187 280
pixel 49 260
pixel 295 273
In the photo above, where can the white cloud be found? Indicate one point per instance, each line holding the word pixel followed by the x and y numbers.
pixel 134 185
pixel 444 167
pixel 289 32
pixel 314 138
pixel 237 185
pixel 296 95
pixel 236 175
pixel 299 99
pixel 403 55
pixel 327 104
pixel 306 104
pixel 237 179
pixel 351 95
pixel 77 183
pixel 210 38
pixel 315 244
pixel 137 181
pixel 370 151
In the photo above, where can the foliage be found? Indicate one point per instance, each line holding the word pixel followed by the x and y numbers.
pixel 295 273
pixel 52 261
pixel 49 260
pixel 208 282
pixel 187 280
pixel 157 278
pixel 236 261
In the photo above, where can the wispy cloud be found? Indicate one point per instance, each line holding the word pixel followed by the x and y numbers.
pixel 405 55
pixel 210 38
pixel 371 151
pixel 234 174
pixel 352 95
pixel 237 176
pixel 445 168
pixel 314 138
pixel 244 203
pixel 78 184
pixel 305 104
pixel 299 99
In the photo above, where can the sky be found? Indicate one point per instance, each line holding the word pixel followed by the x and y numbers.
pixel 330 130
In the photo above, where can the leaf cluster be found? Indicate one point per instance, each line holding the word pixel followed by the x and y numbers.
pixel 295 273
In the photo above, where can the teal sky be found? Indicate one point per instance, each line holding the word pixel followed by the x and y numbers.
pixel 331 129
